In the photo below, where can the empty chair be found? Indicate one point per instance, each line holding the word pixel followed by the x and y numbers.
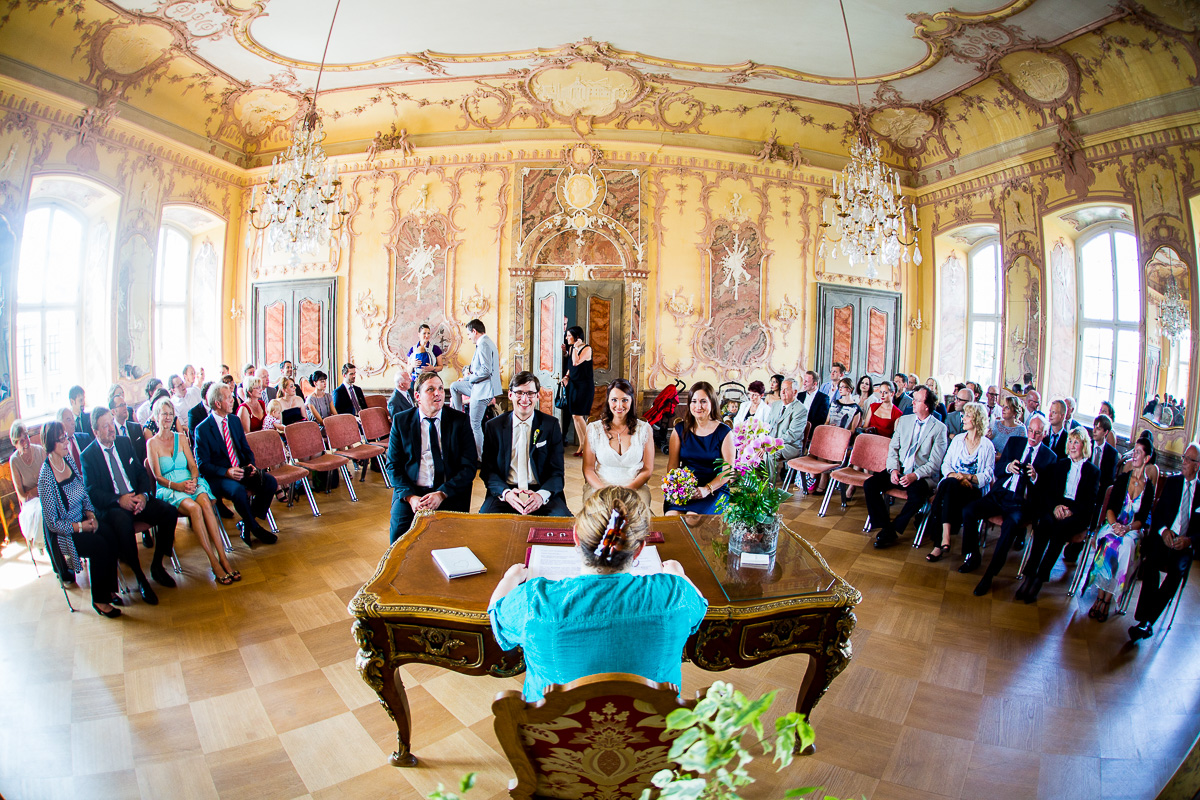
pixel 868 456
pixel 376 401
pixel 826 452
pixel 308 450
pixel 376 427
pixel 346 440
pixel 582 738
pixel 270 456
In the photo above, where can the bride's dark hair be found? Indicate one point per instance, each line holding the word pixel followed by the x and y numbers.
pixel 631 418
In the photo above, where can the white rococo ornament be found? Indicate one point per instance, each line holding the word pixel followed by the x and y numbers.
pixel 420 263
pixel 734 265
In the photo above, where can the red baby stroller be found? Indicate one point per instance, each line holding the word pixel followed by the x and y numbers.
pixel 661 414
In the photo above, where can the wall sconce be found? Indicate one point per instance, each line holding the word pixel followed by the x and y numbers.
pixel 474 306
pixel 235 311
pixel 915 323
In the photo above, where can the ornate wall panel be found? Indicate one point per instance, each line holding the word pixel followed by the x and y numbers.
pixel 734 336
pixel 310 332
pixel 843 335
pixel 877 341
pixel 273 332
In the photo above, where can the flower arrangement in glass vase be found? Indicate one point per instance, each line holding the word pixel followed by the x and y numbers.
pixel 751 508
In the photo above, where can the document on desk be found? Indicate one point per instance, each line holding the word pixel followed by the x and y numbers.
pixel 555 562
pixel 458 562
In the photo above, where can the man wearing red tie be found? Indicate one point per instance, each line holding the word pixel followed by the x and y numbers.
pixel 225 460
pixel 66 417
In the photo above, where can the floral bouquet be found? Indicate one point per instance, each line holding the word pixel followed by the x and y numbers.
pixel 679 486
pixel 753 497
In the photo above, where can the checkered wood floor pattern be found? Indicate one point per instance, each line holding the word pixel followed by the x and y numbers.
pixel 251 690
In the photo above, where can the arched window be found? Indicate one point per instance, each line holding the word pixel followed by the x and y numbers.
pixel 1110 308
pixel 171 278
pixel 186 290
pixel 48 341
pixel 985 317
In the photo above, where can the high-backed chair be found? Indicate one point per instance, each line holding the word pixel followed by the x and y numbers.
pixel 376 401
pixel 269 456
pixel 308 450
pixel 345 439
pixel 826 452
pixel 868 456
pixel 603 735
pixel 376 427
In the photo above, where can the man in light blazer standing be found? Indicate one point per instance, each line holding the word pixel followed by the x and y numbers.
pixel 914 466
pixel 481 382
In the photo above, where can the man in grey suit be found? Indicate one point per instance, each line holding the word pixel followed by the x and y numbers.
pixel 400 400
pixel 787 419
pixel 914 466
pixel 954 423
pixel 481 381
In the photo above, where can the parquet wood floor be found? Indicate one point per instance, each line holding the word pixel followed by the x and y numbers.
pixel 251 690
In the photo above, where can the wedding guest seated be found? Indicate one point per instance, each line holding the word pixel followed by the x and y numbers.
pixel 401 399
pixel 348 398
pixel 1128 510
pixel 844 412
pixel 75 442
pixel 251 411
pixel 180 486
pixel 197 413
pixel 605 619
pixel 773 385
pixel 183 397
pixel 866 396
pixel 1056 432
pixel 697 442
pixel 788 419
pixel 816 402
pixel 125 426
pixel 288 370
pixel 883 415
pixel 227 463
pixel 248 371
pixel 830 387
pixel 1170 546
pixel 522 463
pixel 754 406
pixel 967 472
pixel 26 466
pixel 954 420
pixel 71 520
pixel 939 408
pixel 291 403
pixel 903 393
pixel 142 413
pixel 121 493
pixel 1015 496
pixel 1008 426
pixel 619 447
pixel 1107 410
pixel 150 426
pixel 431 457
pixel 271 418
pixel 1070 500
pixel 76 398
pixel 266 390
pixel 319 402
pixel 914 460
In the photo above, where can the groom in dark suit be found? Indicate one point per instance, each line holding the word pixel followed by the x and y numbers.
pixel 522 464
pixel 431 457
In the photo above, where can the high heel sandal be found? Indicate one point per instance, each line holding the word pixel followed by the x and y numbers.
pixel 224 580
pixel 111 614
pixel 1102 614
pixel 237 576
pixel 943 551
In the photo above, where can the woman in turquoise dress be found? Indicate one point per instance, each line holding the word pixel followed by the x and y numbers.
pixel 605 619
pixel 1127 515
pixel 697 442
pixel 180 484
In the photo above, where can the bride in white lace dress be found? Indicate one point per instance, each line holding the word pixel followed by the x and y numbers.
pixel 614 455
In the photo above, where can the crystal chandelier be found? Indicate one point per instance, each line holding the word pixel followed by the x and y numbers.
pixel 1172 310
pixel 870 221
pixel 302 201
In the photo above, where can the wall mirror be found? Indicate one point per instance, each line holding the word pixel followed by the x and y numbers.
pixel 1168 346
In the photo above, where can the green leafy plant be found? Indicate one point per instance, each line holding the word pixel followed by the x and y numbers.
pixel 711 760
pixel 753 497
pixel 464 786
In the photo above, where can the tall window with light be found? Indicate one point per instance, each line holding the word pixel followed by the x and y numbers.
pixel 48 307
pixel 172 277
pixel 985 318
pixel 1110 306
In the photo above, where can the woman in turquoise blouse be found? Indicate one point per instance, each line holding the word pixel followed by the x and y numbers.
pixel 605 619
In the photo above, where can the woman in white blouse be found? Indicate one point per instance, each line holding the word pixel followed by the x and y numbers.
pixel 756 407
pixel 967 473
pixel 619 448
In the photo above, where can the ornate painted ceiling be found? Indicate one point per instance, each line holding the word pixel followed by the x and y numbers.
pixel 230 76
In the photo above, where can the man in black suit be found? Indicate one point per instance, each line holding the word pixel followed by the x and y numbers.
pixel 348 398
pixel 127 428
pixel 122 492
pixel 83 421
pixel 432 457
pixel 816 401
pixel 198 412
pixel 226 461
pixel 1171 544
pixel 522 464
pixel 1056 434
pixel 400 400
pixel 902 399
pixel 1069 509
pixel 1015 495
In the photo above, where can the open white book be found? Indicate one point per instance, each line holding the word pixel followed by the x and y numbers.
pixel 555 562
pixel 455 562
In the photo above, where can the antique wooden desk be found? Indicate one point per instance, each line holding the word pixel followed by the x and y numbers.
pixel 409 612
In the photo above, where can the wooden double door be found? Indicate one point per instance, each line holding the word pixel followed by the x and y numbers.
pixel 859 328
pixel 595 306
pixel 294 321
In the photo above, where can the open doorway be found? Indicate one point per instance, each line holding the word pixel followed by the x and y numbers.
pixel 596 306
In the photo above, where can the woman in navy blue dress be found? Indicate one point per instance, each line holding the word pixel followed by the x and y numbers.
pixel 697 442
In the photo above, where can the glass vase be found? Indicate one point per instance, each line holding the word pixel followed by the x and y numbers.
pixel 757 538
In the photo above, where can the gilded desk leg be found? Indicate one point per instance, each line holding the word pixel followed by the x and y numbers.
pixel 387 684
pixel 823 666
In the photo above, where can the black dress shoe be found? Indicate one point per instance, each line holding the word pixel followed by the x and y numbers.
pixel 1021 590
pixel 245 534
pixel 886 538
pixel 112 613
pixel 148 594
pixel 970 563
pixel 223 510
pixel 147 539
pixel 1031 594
pixel 1143 630
pixel 264 535
pixel 162 577
pixel 984 586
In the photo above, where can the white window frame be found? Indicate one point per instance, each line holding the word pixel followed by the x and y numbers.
pixel 184 305
pixel 997 318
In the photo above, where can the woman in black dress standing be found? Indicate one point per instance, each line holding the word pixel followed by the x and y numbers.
pixel 581 386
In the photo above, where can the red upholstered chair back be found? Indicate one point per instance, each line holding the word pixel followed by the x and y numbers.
pixel 342 431
pixel 870 452
pixel 375 423
pixel 829 443
pixel 304 439
pixel 603 735
pixel 376 401
pixel 267 448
